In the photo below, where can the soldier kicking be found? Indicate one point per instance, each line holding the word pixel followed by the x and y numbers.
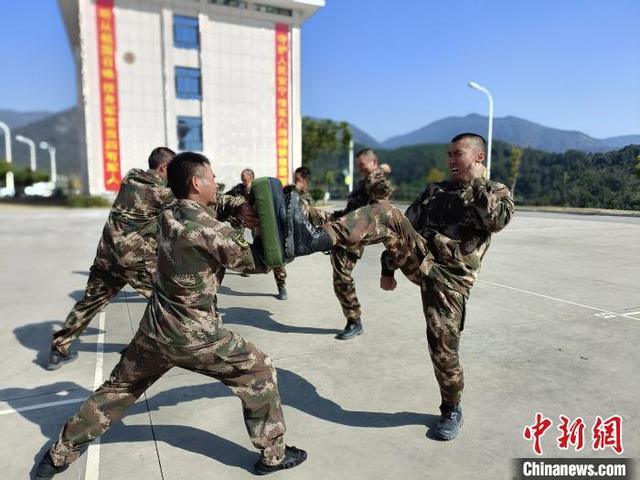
pixel 439 246
pixel 181 327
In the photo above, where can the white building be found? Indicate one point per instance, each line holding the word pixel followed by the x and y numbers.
pixel 217 76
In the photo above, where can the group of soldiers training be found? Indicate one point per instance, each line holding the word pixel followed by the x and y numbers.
pixel 168 236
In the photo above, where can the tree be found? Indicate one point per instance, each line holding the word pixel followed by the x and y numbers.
pixel 323 136
pixel 435 175
pixel 4 168
pixel 514 171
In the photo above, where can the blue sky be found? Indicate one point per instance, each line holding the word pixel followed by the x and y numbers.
pixel 391 67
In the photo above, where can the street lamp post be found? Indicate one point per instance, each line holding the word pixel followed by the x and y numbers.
pixel 32 149
pixel 486 92
pixel 350 166
pixel 52 156
pixel 7 149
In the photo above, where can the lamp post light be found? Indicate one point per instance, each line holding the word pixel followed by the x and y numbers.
pixel 488 94
pixel 52 156
pixel 32 149
pixel 350 165
pixel 7 149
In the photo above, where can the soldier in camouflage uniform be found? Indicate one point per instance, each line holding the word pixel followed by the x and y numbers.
pixel 243 189
pixel 372 187
pixel 300 185
pixel 438 245
pixel 181 327
pixel 126 253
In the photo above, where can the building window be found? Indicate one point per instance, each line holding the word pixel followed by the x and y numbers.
pixel 185 32
pixel 190 133
pixel 188 84
pixel 275 10
pixel 230 3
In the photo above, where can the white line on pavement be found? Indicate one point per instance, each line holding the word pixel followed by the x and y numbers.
pixel 41 405
pixel 92 471
pixel 529 292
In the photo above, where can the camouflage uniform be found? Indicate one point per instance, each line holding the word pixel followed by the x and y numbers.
pixel 182 327
pixel 279 273
pixel 126 253
pixel 438 245
pixel 374 187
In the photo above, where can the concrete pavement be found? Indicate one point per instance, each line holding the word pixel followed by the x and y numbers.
pixel 552 326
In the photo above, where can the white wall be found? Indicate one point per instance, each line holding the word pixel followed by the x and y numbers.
pixel 237 61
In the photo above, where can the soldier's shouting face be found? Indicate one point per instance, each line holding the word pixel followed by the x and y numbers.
pixel 465 159
pixel 207 187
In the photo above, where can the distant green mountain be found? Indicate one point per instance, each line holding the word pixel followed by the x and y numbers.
pixel 622 141
pixel 363 138
pixel 513 130
pixel 17 119
pixel 59 130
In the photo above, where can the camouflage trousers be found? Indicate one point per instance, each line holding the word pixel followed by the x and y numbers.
pixel 237 363
pixel 280 276
pixel 343 261
pixel 444 310
pixel 106 279
pixel 381 222
pixel 444 307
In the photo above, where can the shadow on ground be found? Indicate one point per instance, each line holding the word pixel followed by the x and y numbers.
pixel 38 336
pixel 296 392
pixel 259 318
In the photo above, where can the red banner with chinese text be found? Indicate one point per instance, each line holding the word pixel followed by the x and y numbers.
pixel 108 94
pixel 282 102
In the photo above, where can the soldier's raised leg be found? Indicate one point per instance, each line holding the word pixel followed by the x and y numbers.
pixel 379 222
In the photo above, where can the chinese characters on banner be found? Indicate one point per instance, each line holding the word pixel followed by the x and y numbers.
pixel 282 102
pixel 108 94
pixel 605 433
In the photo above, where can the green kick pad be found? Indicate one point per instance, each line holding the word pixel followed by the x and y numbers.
pixel 268 200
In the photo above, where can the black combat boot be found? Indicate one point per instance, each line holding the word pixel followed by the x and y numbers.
pixel 292 458
pixel 302 238
pixel 352 330
pixel 282 292
pixel 57 359
pixel 46 469
pixel 449 424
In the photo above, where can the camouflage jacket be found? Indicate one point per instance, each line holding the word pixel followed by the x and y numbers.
pixel 315 215
pixel 374 186
pixel 129 236
pixel 226 206
pixel 240 191
pixel 304 195
pixel 457 219
pixel 192 246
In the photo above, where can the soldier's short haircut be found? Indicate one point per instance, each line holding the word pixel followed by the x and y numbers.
pixel 253 175
pixel 479 140
pixel 303 171
pixel 365 151
pixel 159 156
pixel 182 169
